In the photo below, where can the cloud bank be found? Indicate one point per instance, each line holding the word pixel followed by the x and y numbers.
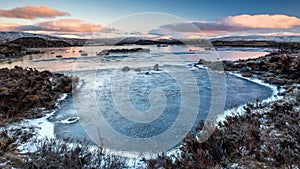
pixel 32 12
pixel 233 24
pixel 70 25
pixel 263 21
pixel 62 25
pixel 6 27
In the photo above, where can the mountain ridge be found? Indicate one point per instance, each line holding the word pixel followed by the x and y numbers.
pixel 10 37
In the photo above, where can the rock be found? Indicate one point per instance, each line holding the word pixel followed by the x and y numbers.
pixel 202 62
pixel 125 69
pixel 156 67
pixel 246 74
pixel 73 119
pixel 245 69
pixel 275 81
pixel 137 69
pixel 67 89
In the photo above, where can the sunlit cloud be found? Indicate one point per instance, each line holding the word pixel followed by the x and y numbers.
pixel 231 24
pixel 71 25
pixel 32 12
pixel 5 27
pixel 201 26
pixel 263 21
pixel 61 26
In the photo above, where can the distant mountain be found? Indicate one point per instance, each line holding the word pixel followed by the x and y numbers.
pixel 6 37
pixel 146 41
pixel 259 38
pixel 37 42
pixel 131 39
pixel 114 41
pixel 254 43
pixel 10 36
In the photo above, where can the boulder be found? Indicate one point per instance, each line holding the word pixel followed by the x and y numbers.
pixel 156 67
pixel 125 69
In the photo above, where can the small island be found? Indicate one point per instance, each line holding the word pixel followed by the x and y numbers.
pixel 124 50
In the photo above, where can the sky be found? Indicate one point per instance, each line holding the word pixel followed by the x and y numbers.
pixel 155 18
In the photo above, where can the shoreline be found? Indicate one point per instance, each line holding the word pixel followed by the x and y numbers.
pixel 240 109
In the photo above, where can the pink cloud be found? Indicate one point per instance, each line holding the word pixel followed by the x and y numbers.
pixel 32 12
pixel 233 24
pixel 71 25
pixel 263 21
pixel 8 27
pixel 64 27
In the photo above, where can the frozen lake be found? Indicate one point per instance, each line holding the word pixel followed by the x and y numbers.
pixel 139 101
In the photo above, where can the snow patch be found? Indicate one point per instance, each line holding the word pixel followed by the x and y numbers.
pixel 70 120
pixel 44 129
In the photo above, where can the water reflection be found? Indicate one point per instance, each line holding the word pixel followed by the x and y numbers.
pixel 49 61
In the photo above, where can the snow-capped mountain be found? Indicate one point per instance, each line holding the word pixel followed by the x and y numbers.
pixel 132 39
pixel 10 36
